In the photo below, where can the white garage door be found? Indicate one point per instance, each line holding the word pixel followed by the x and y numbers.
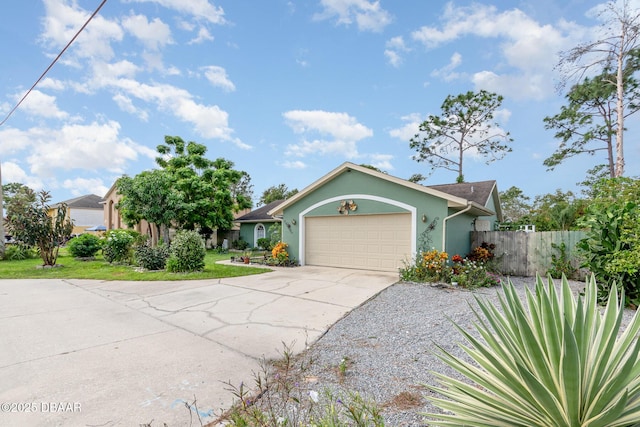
pixel 372 242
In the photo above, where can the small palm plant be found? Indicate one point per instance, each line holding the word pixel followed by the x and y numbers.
pixel 560 361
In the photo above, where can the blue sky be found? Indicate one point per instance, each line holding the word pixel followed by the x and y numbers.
pixel 287 90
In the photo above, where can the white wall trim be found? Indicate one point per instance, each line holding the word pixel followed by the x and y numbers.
pixel 255 233
pixel 301 218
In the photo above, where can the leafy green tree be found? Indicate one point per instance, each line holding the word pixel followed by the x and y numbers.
pixel 15 191
pixel 417 178
pixel 594 176
pixel 515 205
pixel 557 211
pixel 243 188
pixel 612 245
pixel 613 54
pixel 588 123
pixel 466 126
pixel 30 224
pixel 276 192
pixel 149 196
pixel 9 192
pixel 203 186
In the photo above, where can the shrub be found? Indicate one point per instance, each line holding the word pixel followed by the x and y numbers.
pixel 279 254
pixel 429 266
pixel 483 253
pixel 239 244
pixel 556 362
pixel 118 246
pixel 17 252
pixel 473 274
pixel 611 248
pixel 187 252
pixel 264 243
pixel 84 246
pixel 560 263
pixel 151 258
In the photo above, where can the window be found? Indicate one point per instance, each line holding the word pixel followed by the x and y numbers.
pixel 258 233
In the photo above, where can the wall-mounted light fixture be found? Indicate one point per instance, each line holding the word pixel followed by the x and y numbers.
pixel 424 218
pixel 293 221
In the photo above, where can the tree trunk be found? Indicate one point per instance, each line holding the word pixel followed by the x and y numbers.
pixel 1 219
pixel 620 109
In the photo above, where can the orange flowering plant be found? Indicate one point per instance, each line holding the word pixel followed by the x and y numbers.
pixel 279 252
pixel 428 266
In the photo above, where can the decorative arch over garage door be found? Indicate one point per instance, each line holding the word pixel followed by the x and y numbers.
pixel 376 241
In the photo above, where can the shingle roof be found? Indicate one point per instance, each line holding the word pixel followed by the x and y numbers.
pixel 89 201
pixel 260 214
pixel 478 192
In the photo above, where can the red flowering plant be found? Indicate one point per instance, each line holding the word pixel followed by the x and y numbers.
pixel 457 261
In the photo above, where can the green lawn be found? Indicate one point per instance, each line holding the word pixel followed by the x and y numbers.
pixel 99 269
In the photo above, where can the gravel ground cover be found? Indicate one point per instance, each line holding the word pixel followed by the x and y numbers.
pixel 385 349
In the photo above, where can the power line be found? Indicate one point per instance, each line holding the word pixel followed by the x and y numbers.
pixel 53 63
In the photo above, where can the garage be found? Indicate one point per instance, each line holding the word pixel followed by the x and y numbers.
pixel 372 242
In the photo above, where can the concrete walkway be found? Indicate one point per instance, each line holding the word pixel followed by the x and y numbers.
pixel 94 353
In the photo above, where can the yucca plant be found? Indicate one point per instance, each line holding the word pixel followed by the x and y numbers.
pixel 559 361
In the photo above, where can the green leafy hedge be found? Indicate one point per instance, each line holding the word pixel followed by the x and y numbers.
pixel 186 253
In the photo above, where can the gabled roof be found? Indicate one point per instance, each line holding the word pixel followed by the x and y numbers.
pixel 89 201
pixel 453 201
pixel 478 192
pixel 260 214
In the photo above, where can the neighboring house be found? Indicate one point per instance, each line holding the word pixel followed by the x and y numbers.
pixel 113 220
pixel 255 224
pixel 111 217
pixel 84 211
pixel 356 217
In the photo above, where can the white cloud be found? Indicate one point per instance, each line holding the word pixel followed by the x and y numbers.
pixel 13 141
pixel 297 164
pixel 394 48
pixel 342 130
pixel 152 34
pixel 447 72
pixel 126 104
pixel 199 9
pixel 368 15
pixel 217 76
pixel 62 22
pixel 42 105
pixel 82 186
pixel 381 161
pixel 90 147
pixel 409 129
pixel 203 36
pixel 209 121
pixel 54 84
pixel 528 47
pixel 12 172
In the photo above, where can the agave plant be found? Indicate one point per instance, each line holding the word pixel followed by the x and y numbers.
pixel 559 361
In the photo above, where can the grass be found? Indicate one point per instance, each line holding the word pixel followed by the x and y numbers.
pixel 99 269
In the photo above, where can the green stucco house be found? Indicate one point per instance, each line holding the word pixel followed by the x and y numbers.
pixel 256 224
pixel 356 217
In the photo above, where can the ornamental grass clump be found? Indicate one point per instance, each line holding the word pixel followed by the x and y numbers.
pixel 558 361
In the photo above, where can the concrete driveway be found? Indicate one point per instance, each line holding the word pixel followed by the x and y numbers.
pixel 93 353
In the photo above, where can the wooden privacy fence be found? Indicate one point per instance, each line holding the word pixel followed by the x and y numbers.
pixel 521 253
